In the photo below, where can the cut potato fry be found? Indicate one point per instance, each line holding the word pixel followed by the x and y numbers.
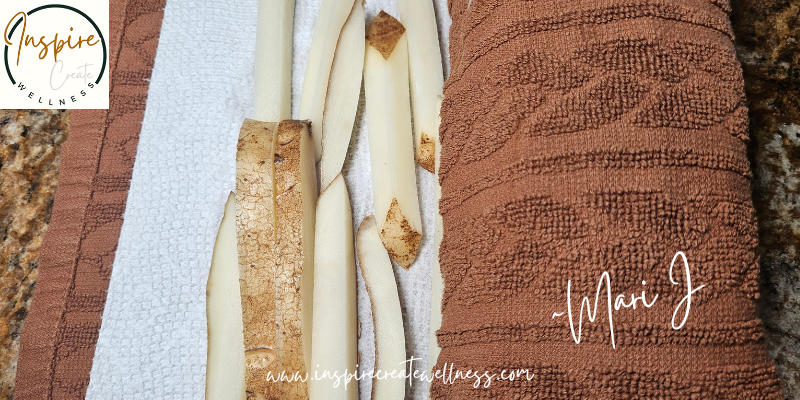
pixel 387 317
pixel 335 331
pixel 437 282
pixel 425 75
pixel 330 20
pixel 273 73
pixel 391 147
pixel 255 231
pixel 295 210
pixel 225 368
pixel 343 92
pixel 275 195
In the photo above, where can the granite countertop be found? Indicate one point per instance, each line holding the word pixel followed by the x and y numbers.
pixel 768 46
pixel 30 143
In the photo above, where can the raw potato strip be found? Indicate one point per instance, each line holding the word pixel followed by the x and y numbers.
pixel 343 92
pixel 225 367
pixel 391 147
pixel 335 336
pixel 330 20
pixel 425 75
pixel 387 317
pixel 437 282
pixel 295 209
pixel 273 74
pixel 255 232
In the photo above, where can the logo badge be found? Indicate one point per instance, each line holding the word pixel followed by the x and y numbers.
pixel 55 55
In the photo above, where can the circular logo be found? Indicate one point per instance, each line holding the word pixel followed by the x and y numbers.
pixel 55 56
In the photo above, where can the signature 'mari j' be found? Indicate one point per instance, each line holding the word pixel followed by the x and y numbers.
pixel 619 301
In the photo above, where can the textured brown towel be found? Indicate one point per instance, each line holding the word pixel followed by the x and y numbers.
pixel 61 329
pixel 587 136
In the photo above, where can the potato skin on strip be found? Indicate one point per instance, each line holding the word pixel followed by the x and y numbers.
pixel 255 232
pixel 295 205
pixel 400 239
pixel 384 32
pixel 391 142
pixel 425 74
pixel 276 195
pixel 426 152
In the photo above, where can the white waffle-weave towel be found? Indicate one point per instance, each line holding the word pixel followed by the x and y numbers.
pixel 152 342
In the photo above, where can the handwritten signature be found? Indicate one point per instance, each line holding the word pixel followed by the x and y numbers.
pixel 619 301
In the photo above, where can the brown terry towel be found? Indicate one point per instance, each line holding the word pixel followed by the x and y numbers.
pixel 60 331
pixel 583 137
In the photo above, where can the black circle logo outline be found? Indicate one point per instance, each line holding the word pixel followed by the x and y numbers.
pixel 102 39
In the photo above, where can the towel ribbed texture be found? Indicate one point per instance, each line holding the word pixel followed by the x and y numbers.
pixel 588 136
pixel 61 329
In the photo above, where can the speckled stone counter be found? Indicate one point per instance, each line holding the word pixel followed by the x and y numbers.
pixel 30 142
pixel 768 45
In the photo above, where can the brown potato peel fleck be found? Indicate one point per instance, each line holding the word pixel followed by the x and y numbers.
pixel 400 240
pixel 426 153
pixel 384 32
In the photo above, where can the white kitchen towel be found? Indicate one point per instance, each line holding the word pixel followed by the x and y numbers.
pixel 152 342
